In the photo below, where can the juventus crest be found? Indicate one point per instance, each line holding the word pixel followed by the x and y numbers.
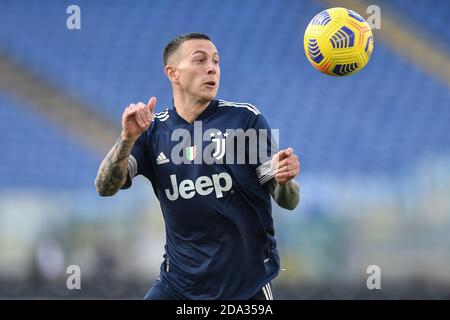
pixel 219 139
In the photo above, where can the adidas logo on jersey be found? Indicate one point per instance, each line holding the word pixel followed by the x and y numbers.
pixel 161 159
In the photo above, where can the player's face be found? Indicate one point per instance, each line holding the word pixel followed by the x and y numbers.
pixel 198 69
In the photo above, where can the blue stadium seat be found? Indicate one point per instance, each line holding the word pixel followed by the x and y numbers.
pixel 37 154
pixel 381 120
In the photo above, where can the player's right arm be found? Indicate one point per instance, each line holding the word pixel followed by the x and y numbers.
pixel 113 170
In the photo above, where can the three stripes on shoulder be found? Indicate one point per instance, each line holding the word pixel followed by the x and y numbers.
pixel 164 115
pixel 252 108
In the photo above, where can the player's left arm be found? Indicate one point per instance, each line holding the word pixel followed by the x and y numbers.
pixel 283 188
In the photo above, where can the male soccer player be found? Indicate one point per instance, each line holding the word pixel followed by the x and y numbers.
pixel 219 230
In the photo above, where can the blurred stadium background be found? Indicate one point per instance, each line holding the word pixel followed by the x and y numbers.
pixel 375 147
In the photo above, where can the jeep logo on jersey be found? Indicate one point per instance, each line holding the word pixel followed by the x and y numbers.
pixel 204 185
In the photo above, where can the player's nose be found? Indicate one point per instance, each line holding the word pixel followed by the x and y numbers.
pixel 212 68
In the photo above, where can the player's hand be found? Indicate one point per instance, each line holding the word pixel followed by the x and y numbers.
pixel 137 118
pixel 285 165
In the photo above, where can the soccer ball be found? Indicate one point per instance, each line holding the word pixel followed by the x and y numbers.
pixel 338 42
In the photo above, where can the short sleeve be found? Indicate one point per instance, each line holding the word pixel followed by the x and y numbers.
pixel 138 160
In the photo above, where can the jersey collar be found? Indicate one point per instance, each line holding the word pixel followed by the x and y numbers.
pixel 203 115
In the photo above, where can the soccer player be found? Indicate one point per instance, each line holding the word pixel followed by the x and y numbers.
pixel 220 240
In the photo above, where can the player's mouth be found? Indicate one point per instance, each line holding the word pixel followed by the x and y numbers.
pixel 210 84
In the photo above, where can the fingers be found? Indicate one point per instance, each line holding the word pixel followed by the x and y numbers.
pixel 286 162
pixel 291 166
pixel 144 112
pixel 283 178
pixel 151 104
pixel 288 167
pixel 140 113
pixel 292 158
pixel 129 111
pixel 148 114
pixel 149 109
pixel 288 152
pixel 283 154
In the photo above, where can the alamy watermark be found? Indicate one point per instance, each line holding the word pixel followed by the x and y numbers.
pixel 73 21
pixel 230 146
pixel 74 279
pixel 374 280
pixel 374 20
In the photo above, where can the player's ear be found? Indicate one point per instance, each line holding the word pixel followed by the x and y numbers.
pixel 171 73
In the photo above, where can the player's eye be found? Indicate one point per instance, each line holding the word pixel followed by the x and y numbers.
pixel 216 61
pixel 201 60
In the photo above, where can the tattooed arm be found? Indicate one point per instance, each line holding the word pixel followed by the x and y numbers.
pixel 286 195
pixel 113 170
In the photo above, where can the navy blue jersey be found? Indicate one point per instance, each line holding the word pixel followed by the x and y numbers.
pixel 218 218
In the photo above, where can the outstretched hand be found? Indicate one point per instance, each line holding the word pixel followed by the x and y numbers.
pixel 137 118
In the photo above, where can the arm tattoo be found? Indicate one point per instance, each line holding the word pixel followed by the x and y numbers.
pixel 112 173
pixel 286 195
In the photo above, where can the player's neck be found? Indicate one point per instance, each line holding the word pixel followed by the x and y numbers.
pixel 190 109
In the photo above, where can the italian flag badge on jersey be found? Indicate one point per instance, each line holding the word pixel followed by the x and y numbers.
pixel 190 153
